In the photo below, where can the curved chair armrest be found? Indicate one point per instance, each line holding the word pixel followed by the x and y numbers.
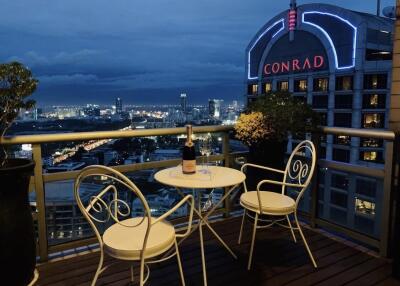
pixel 177 206
pixel 278 183
pixel 244 166
pixel 260 167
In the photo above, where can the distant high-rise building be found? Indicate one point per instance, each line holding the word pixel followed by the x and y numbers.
pixel 183 102
pixel 118 105
pixel 214 108
pixel 235 105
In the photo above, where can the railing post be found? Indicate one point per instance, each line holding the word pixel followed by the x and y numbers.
pixel 316 139
pixel 395 225
pixel 225 151
pixel 40 202
pixel 387 199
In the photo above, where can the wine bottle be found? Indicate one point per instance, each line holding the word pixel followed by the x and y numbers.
pixel 188 154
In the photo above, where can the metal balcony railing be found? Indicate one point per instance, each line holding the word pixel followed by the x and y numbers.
pixel 39 178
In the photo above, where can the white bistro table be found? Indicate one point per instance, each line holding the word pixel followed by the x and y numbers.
pixel 217 177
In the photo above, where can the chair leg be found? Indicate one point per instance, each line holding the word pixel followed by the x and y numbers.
pixel 241 227
pixel 305 242
pixel 142 271
pixel 132 277
pixel 252 241
pixel 291 228
pixel 178 257
pixel 99 268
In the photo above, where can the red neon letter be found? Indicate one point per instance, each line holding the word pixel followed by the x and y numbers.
pixel 318 61
pixel 266 69
pixel 306 63
pixel 285 66
pixel 295 65
pixel 275 67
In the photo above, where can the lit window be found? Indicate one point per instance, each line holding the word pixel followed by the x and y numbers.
pixel 371 142
pixel 364 207
pixel 283 85
pixel 321 84
pixel 370 156
pixel 300 85
pixel 252 89
pixel 373 120
pixel 372 101
pixel 342 139
pixel 267 87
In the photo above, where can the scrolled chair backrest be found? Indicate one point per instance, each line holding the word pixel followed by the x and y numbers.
pixel 300 167
pixel 98 209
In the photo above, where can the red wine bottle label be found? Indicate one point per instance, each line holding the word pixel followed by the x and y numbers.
pixel 189 166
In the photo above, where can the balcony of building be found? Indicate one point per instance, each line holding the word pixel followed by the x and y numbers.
pixel 351 232
pixel 277 261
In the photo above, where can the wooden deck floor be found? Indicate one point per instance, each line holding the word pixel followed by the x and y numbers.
pixel 277 261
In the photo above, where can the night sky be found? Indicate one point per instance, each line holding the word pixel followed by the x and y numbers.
pixel 145 51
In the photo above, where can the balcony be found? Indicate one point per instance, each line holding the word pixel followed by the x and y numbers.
pixel 277 261
pixel 349 221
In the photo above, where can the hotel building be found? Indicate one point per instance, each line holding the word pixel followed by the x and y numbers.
pixel 339 61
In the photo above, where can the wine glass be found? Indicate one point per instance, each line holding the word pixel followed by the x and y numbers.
pixel 206 149
pixel 203 152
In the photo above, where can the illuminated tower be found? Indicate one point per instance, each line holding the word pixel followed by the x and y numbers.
pixel 118 105
pixel 183 102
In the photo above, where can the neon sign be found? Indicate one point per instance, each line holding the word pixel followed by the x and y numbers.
pixel 329 38
pixel 292 20
pixel 281 24
pixel 294 65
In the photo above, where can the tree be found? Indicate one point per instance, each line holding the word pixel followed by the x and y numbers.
pixel 16 84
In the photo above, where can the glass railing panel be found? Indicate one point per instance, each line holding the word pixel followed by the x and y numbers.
pixel 350 200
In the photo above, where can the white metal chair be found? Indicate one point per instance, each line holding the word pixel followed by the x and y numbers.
pixel 297 175
pixel 128 238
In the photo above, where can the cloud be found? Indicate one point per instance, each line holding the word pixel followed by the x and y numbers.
pixel 120 46
pixel 34 58
pixel 74 79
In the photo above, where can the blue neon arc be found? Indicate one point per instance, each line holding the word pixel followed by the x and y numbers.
pixel 347 60
pixel 279 25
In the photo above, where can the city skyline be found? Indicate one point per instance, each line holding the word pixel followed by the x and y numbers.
pixel 197 48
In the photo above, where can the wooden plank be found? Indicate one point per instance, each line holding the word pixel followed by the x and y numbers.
pixel 373 277
pixel 333 269
pixel 277 261
pixel 354 273
pixel 281 264
pixel 389 282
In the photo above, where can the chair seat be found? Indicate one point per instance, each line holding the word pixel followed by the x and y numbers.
pixel 127 242
pixel 271 203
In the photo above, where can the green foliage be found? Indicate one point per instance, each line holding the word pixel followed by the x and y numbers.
pixel 285 114
pixel 16 84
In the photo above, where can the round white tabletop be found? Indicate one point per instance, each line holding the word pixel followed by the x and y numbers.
pixel 217 177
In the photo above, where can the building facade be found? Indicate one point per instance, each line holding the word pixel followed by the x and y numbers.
pixel 214 108
pixel 338 61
